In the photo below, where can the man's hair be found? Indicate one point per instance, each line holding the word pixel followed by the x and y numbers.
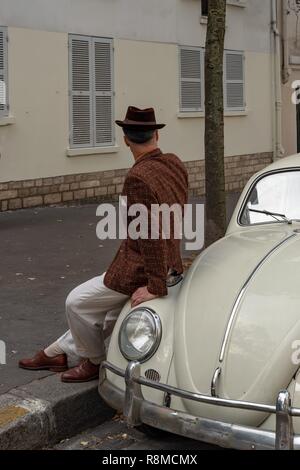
pixel 138 137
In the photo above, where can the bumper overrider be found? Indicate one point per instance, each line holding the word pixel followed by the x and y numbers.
pixel 137 410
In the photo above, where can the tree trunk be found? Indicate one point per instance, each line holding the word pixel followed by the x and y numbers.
pixel 214 123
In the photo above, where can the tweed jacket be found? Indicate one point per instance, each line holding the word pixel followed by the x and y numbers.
pixel 155 178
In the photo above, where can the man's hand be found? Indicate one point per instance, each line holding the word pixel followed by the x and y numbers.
pixel 141 295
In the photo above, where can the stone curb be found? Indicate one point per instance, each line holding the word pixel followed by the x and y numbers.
pixel 44 412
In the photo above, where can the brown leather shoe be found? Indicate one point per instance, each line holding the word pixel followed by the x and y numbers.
pixel 84 372
pixel 42 362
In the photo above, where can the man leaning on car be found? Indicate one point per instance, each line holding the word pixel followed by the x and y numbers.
pixel 140 268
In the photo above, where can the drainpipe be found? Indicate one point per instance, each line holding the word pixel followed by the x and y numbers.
pixel 278 150
pixel 286 71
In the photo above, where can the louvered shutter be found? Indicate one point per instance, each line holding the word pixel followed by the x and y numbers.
pixel 81 91
pixel 191 72
pixel 234 81
pixel 103 92
pixel 3 73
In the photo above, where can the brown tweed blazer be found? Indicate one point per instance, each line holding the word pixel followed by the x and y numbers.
pixel 155 178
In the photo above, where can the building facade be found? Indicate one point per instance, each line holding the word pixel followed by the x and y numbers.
pixel 68 68
pixel 289 14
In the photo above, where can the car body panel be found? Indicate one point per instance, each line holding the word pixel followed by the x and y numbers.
pixel 267 323
pixel 161 361
pixel 245 289
pixel 202 314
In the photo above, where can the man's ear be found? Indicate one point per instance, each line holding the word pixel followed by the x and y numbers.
pixel 156 136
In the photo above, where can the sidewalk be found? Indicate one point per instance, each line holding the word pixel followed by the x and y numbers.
pixel 45 253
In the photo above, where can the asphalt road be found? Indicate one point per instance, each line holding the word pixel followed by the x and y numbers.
pixel 45 253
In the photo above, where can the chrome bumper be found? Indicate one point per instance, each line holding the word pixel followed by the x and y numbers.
pixel 137 411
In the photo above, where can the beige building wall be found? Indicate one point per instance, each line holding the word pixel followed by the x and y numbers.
pixel 36 144
pixel 289 118
pixel 289 12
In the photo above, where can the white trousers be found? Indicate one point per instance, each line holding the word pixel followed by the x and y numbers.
pixel 91 311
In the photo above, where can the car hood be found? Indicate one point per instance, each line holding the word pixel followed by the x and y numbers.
pixel 238 310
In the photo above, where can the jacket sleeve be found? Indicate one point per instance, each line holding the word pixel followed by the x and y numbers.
pixel 153 251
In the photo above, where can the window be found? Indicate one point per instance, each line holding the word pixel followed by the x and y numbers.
pixel 273 198
pixel 234 81
pixel 204 7
pixel 4 107
pixel 91 92
pixel 191 79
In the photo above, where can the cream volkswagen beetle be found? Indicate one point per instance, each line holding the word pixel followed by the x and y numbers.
pixel 218 359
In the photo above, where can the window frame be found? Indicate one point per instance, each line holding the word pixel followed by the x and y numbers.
pixel 227 109
pixel 201 81
pixel 238 108
pixel 93 93
pixel 4 30
pixel 234 3
pixel 249 191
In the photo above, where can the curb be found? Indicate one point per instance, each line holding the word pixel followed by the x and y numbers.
pixel 46 411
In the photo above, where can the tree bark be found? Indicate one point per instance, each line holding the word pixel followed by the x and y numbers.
pixel 214 123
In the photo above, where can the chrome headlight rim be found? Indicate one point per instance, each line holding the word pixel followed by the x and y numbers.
pixel 158 334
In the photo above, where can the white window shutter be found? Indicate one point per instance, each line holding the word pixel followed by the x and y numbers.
pixel 103 92
pixel 191 83
pixel 234 81
pixel 81 91
pixel 4 108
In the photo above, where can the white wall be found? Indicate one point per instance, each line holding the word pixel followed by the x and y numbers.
pixel 146 74
pixel 293 29
pixel 289 110
pixel 172 21
pixel 289 116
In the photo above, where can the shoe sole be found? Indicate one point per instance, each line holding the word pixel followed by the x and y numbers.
pixel 74 381
pixel 51 369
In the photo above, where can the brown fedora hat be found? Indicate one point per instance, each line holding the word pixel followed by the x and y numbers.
pixel 140 119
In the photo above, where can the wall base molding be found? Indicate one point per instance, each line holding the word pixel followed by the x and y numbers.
pixel 107 185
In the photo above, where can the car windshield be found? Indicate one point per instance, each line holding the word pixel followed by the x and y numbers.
pixel 274 198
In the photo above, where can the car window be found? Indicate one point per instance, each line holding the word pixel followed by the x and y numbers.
pixel 278 193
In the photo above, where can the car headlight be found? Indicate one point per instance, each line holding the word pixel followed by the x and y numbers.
pixel 140 334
